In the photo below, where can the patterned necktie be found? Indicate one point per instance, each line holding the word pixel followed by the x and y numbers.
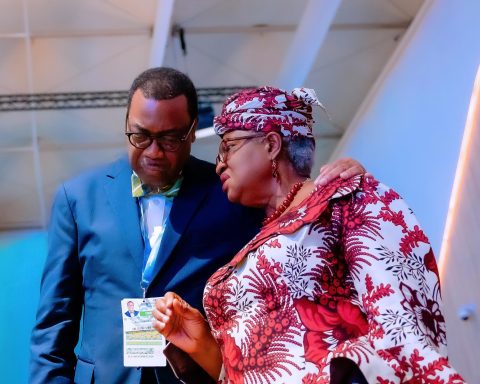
pixel 141 190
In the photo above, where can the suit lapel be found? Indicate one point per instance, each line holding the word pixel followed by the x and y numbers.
pixel 184 207
pixel 119 194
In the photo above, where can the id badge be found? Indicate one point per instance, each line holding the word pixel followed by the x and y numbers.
pixel 142 345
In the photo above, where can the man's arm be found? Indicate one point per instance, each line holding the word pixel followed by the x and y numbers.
pixel 55 333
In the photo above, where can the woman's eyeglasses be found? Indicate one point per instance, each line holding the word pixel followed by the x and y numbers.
pixel 225 150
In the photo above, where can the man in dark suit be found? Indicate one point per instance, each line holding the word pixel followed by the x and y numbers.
pixel 155 222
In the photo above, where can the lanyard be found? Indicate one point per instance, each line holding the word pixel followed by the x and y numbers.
pixel 154 212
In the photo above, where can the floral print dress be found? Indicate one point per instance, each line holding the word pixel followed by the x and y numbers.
pixel 347 273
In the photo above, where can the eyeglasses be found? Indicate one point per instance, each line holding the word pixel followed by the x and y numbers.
pixel 169 143
pixel 225 149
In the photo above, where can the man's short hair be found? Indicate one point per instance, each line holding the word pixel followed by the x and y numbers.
pixel 163 83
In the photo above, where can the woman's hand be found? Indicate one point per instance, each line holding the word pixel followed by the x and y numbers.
pixel 180 323
pixel 344 168
pixel 186 328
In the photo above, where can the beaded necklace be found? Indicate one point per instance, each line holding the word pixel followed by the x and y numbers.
pixel 286 203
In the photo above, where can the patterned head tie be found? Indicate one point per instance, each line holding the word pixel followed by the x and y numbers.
pixel 268 109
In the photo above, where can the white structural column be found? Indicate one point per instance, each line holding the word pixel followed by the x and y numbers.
pixel 459 261
pixel 409 129
pixel 33 119
pixel 161 31
pixel 308 39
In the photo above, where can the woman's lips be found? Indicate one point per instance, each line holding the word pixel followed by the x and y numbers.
pixel 223 179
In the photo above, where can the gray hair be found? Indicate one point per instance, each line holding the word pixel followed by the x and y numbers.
pixel 300 152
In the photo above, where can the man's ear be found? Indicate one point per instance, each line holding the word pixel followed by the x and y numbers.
pixel 273 142
pixel 194 133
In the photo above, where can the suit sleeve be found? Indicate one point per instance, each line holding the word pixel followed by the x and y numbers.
pixel 56 330
pixel 395 275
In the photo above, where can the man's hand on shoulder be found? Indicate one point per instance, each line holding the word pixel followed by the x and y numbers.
pixel 344 168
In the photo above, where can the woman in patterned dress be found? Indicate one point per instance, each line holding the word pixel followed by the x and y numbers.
pixel 340 285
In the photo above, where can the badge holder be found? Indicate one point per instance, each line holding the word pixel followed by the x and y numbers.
pixel 142 345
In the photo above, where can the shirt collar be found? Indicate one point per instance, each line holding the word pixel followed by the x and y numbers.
pixel 141 190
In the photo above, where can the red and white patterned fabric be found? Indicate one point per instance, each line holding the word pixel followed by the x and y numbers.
pixel 347 273
pixel 267 109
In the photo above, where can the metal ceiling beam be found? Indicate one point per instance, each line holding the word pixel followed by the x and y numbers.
pixel 148 31
pixel 74 100
pixel 66 34
pixel 311 32
pixel 264 28
pixel 83 100
pixel 161 31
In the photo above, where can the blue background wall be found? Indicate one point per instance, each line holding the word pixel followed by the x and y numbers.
pixel 22 255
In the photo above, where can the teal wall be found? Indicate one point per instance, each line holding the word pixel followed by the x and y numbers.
pixel 22 255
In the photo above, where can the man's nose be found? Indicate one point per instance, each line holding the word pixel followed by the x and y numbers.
pixel 154 149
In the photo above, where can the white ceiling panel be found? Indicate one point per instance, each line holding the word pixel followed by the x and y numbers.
pixel 232 13
pixel 13 66
pixel 101 45
pixel 373 11
pixel 60 15
pixel 409 7
pixel 348 65
pixel 11 17
pixel 88 64
pixel 233 59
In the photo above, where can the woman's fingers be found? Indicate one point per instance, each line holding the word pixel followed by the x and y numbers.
pixel 170 312
pixel 161 316
pixel 162 306
pixel 159 325
pixel 169 297
pixel 180 305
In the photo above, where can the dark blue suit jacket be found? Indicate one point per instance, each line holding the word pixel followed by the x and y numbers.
pixel 95 260
pixel 128 314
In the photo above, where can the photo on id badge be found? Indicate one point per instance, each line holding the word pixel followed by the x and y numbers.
pixel 142 344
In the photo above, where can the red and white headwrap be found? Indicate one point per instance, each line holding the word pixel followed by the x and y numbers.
pixel 268 109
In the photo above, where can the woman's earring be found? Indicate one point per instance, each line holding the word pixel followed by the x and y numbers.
pixel 274 169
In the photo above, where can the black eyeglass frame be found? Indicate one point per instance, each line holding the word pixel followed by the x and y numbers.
pixel 223 156
pixel 177 141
